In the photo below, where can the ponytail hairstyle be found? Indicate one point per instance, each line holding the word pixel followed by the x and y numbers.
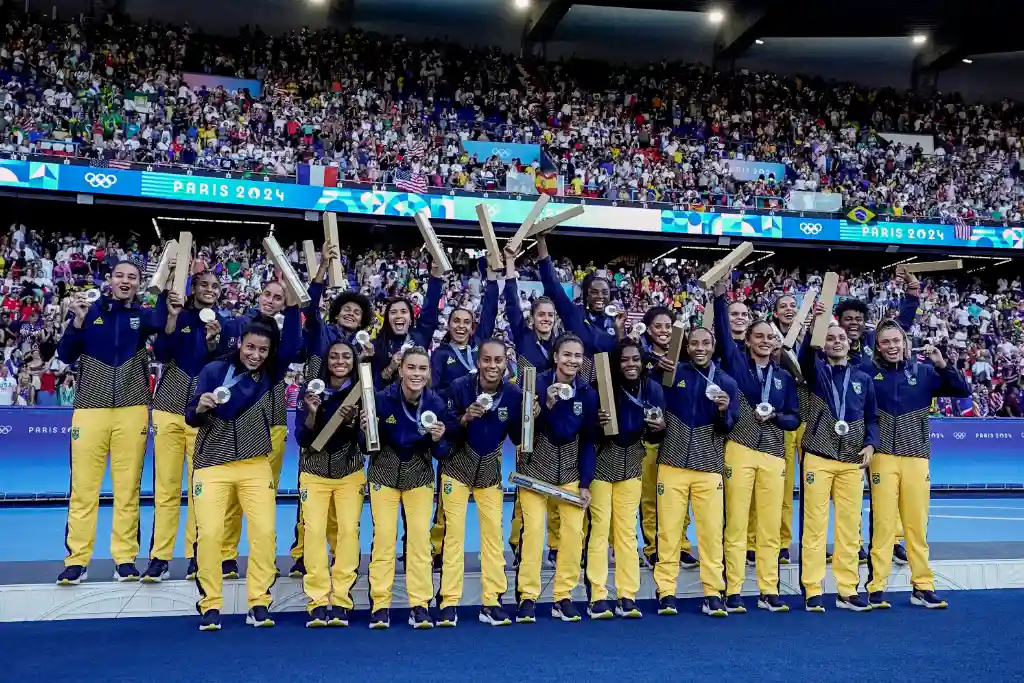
pixel 190 300
pixel 564 339
pixel 360 300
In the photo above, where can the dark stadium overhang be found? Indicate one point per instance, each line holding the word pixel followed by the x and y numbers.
pixel 543 19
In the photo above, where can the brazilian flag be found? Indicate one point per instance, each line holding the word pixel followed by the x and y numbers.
pixel 860 214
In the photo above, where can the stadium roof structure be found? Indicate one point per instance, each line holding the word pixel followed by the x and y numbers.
pixel 952 32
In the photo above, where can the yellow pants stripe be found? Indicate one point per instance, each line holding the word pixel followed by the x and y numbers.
pixel 250 483
pixel 489 502
pixel 95 432
pixel 321 500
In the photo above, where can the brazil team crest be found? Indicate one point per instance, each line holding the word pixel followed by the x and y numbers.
pixel 876 478
pixel 661 489
pixel 75 433
pixel 447 488
pixel 135 322
pixel 303 495
pixel 857 387
pixel 778 383
pixel 728 473
pixel 503 414
pixel 577 408
pixel 197 490
pixel 809 478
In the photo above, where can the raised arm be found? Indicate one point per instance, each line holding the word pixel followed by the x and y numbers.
pixel 488 309
pixel 429 315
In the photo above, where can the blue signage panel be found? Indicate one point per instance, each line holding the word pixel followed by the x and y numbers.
pixel 506 151
pixel 505 209
pixel 35 445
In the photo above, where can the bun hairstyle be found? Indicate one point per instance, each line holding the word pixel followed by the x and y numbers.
pixel 360 300
pixel 564 339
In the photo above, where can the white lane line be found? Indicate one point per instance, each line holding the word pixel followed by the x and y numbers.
pixel 993 519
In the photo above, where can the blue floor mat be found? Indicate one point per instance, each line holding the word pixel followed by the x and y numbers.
pixel 978 639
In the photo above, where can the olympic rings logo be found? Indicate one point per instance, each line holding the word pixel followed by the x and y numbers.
pixel 6 429
pixel 101 180
pixel 811 228
pixel 959 436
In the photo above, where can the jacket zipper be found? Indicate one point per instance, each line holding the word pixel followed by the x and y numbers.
pixel 896 398
pixel 117 346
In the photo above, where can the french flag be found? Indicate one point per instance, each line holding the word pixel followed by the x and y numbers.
pixel 321 176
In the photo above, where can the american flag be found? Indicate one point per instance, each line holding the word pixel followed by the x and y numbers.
pixel 961 230
pixel 110 163
pixel 410 182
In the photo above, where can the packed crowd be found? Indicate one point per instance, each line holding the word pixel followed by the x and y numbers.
pixel 978 324
pixel 383 109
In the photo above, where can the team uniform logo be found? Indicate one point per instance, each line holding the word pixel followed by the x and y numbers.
pixel 75 433
pixel 376 487
pixel 135 322
pixel 878 377
pixel 728 473
pixel 809 478
pixel 447 488
pixel 661 489
pixel 303 494
pixel 391 420
pixel 577 408
pixel 198 490
pixel 857 388
pixel 503 414
pixel 682 384
pixel 876 478
pixel 778 383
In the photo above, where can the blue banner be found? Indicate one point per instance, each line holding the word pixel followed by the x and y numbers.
pixel 505 209
pixel 752 170
pixel 506 151
pixel 35 454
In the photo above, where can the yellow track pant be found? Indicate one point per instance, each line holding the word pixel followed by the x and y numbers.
pixel 437 535
pixel 416 507
pixel 612 515
pixel 649 505
pixel 233 521
pixel 319 497
pixel 297 550
pixel 174 442
pixel 95 432
pixel 899 520
pixel 251 483
pixel 899 484
pixel 823 480
pixel 553 525
pixel 489 502
pixel 567 567
pixel 747 471
pixel 786 531
pixel 677 488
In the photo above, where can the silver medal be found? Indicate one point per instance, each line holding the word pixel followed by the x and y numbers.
pixel 764 409
pixel 222 395
pixel 842 428
pixel 316 386
pixel 712 391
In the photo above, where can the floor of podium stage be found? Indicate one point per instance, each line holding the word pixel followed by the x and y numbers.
pixel 976 639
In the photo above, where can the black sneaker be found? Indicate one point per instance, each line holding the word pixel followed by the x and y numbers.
pixel 552 557
pixel 317 618
pixel 72 575
pixel 667 606
pixel 380 619
pixel 877 600
pixel 784 556
pixel 599 610
pixel 210 620
pixel 527 613
pixel 298 569
pixel 751 559
pixel 734 604
pixel 494 615
pixel 772 603
pixel 627 609
pixel 157 571
pixel 714 607
pixel 125 572
pixel 565 610
pixel 899 555
pixel 337 616
pixel 419 618
pixel 259 617
pixel 192 571
pixel 688 561
pixel 854 603
pixel 229 569
pixel 814 604
pixel 448 616
pixel 862 556
pixel 927 599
